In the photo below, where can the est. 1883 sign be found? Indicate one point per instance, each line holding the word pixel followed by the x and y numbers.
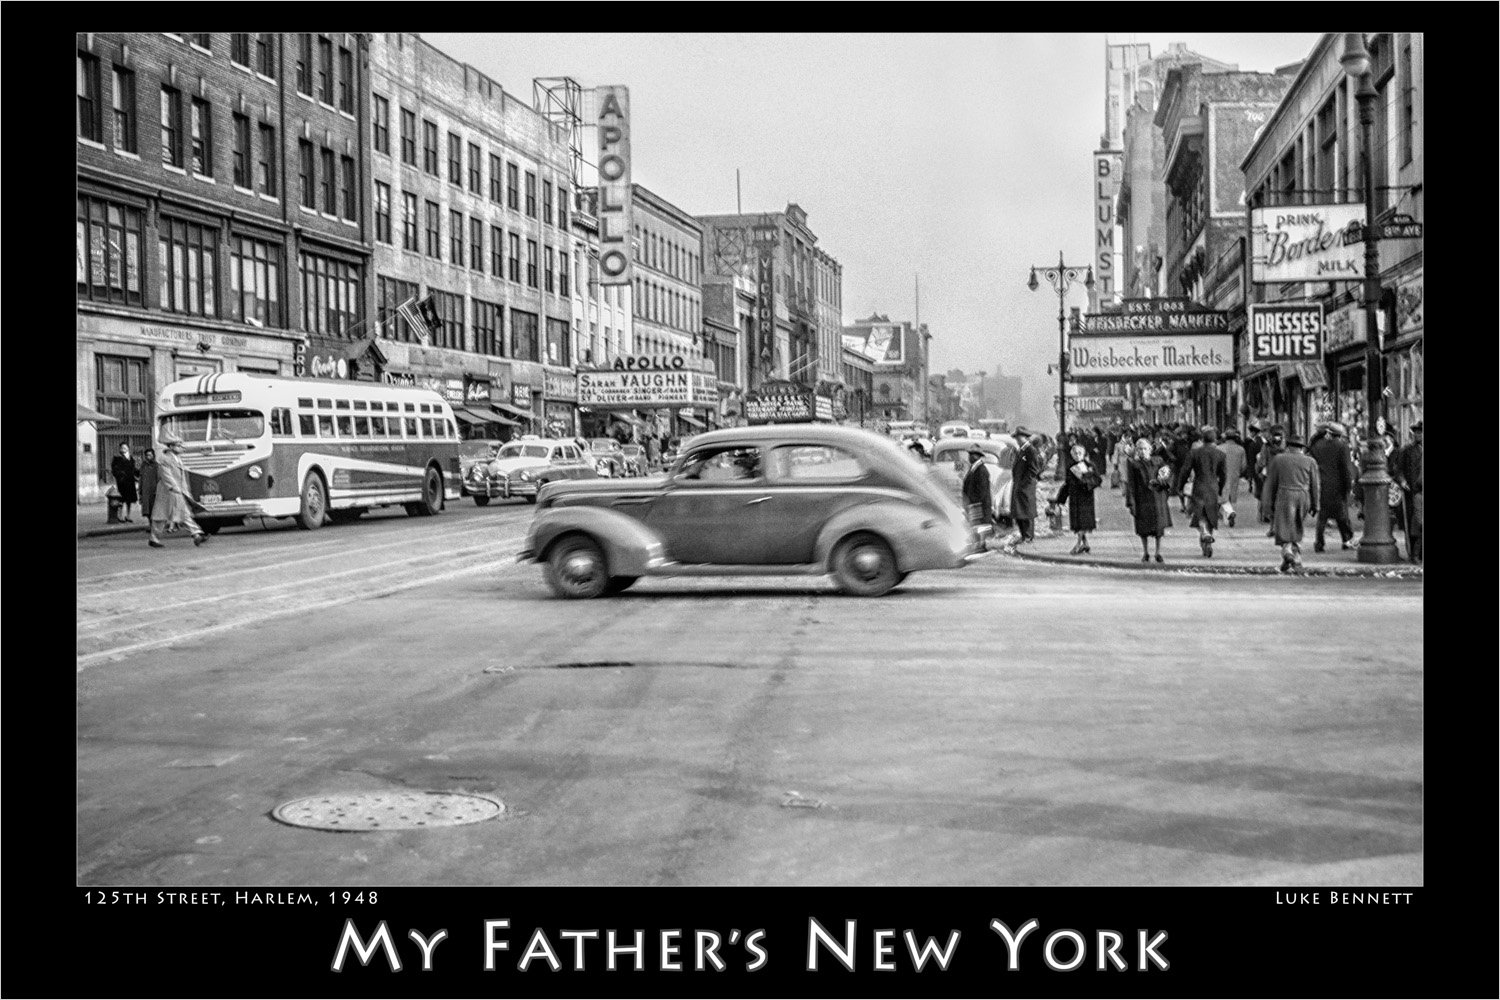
pixel 1286 331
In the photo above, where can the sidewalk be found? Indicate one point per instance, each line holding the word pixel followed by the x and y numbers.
pixel 1243 549
pixel 93 520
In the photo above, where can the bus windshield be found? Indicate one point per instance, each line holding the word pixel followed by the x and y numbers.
pixel 214 425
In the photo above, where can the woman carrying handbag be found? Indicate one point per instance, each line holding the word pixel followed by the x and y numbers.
pixel 1078 488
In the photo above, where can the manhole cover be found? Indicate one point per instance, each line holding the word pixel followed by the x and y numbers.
pixel 387 810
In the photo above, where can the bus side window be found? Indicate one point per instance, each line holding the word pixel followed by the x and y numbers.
pixel 281 422
pixel 346 426
pixel 377 426
pixel 452 432
pixel 362 426
pixel 427 427
pixel 307 424
pixel 411 426
pixel 325 425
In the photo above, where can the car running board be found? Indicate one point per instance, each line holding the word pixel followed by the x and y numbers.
pixel 719 569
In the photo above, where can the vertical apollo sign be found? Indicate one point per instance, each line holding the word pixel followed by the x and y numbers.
pixel 613 119
pixel 1107 166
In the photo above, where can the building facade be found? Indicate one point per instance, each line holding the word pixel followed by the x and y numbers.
pixel 1308 155
pixel 222 214
pixel 473 201
pixel 728 330
pixel 898 351
pixel 799 288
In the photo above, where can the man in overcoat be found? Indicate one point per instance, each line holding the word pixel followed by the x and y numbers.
pixel 976 490
pixel 172 504
pixel 1234 469
pixel 1293 489
pixel 1024 476
pixel 1337 476
pixel 1205 466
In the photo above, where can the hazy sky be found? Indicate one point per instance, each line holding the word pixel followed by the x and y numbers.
pixel 964 159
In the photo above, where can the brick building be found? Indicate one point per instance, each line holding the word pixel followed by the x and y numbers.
pixel 222 198
pixel 898 351
pixel 728 330
pixel 473 202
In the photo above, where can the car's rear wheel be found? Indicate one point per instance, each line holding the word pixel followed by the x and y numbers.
pixel 481 500
pixel 617 584
pixel 576 569
pixel 864 565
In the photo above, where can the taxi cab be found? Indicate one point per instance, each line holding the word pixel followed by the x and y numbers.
pixel 772 500
pixel 521 468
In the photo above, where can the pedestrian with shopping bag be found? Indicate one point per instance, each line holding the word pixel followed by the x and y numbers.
pixel 172 507
pixel 1078 487
pixel 1293 489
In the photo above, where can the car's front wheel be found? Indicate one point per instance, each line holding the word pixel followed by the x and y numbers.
pixel 576 569
pixel 865 566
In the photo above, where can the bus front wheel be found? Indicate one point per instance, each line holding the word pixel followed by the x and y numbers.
pixel 314 503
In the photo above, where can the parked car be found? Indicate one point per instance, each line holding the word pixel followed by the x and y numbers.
pixel 608 456
pixel 635 459
pixel 1000 455
pixel 778 499
pixel 521 468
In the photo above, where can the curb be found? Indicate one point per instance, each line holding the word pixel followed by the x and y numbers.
pixel 110 529
pixel 1393 571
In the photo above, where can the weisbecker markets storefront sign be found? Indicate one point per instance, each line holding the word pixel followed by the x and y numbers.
pixel 646 389
pixel 1151 340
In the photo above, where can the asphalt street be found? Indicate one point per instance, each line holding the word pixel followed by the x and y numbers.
pixel 1011 723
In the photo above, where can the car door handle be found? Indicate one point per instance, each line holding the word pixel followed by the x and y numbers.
pixel 752 503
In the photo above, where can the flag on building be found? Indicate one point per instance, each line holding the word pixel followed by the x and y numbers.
pixel 422 317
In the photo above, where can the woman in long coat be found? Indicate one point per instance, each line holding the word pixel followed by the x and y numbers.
pixel 148 483
pixel 125 473
pixel 1293 488
pixel 1078 490
pixel 1147 485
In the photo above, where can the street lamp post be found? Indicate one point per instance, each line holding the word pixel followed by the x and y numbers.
pixel 1376 545
pixel 1062 277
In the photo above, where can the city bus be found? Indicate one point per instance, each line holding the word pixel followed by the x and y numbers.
pixel 310 449
pixel 993 426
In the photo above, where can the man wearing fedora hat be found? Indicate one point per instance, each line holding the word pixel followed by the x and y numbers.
pixel 171 507
pixel 1292 489
pixel 1336 473
pixel 978 500
pixel 1024 477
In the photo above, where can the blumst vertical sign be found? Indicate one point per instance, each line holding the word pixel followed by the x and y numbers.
pixel 1107 165
pixel 613 119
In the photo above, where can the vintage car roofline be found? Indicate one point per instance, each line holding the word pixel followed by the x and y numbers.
pixel 818 433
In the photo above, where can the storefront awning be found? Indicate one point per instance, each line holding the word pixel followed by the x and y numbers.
pixel 466 416
pixel 94 416
pixel 514 411
pixel 489 416
pixel 627 417
pixel 692 420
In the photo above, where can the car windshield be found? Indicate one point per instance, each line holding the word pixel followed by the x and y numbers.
pixel 604 445
pixel 524 451
pixel 214 425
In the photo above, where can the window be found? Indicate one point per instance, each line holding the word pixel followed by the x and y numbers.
pixel 523 328
pixel 450 310
pixel 124 101
pixel 109 252
pixel 1407 90
pixel 171 126
pixel 455 159
pixel 476 243
pixel 203 41
pixel 306 173
pixel 408 137
pixel 562 206
pixel 325 425
pixel 497 252
pixel 456 237
pixel 487 333
pixel 515 257
pixel 281 422
pixel 558 339
pixel 547 202
pixel 346 80
pixel 265 173
pixel 434 231
pixel 307 424
pixel 325 71
pixel 203 138
pixel 346 172
pixel 563 275
pixel 239 49
pixel 330 194
pixel 265 54
pixel 346 424
pixel 382 212
pixel 188 265
pixel 241 151
pixel 382 117
pixel 551 274
pixel 531 194
pixel 512 186
pixel 495 184
pixel 476 171
pixel 255 282
pixel 1325 171
pixel 429 147
pixel 411 427
pixel 330 294
pixel 724 463
pixel 390 293
pixel 408 221
pixel 531 263
pixel 304 64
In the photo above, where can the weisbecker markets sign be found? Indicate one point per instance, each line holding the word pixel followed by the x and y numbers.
pixel 1149 340
pixel 646 389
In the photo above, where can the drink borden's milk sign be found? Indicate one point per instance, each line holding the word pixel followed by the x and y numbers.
pixel 614 184
pixel 1305 243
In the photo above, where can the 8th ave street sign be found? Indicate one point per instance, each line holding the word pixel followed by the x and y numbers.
pixel 1398 227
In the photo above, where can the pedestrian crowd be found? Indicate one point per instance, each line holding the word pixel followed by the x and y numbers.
pixel 1291 481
